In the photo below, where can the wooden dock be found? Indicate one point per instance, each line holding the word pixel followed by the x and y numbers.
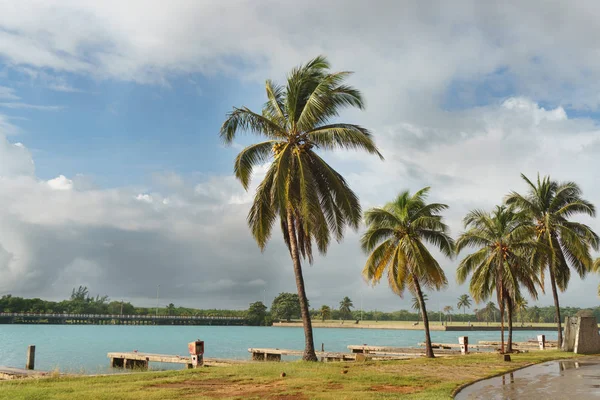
pixel 402 351
pixel 452 346
pixel 17 373
pixel 141 360
pixel 264 354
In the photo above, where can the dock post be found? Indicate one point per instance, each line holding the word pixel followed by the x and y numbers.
pixel 30 364
pixel 542 341
pixel 464 344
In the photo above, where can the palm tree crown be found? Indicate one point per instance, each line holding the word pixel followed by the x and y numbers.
pixel 295 121
pixel 395 241
pixel 464 302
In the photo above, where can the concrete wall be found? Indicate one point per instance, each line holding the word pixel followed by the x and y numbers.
pixel 581 335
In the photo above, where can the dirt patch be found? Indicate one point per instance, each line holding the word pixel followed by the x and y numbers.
pixel 396 389
pixel 293 396
pixel 219 388
pixel 334 386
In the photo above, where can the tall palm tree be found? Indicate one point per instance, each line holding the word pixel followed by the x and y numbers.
pixel 416 304
pixel 503 245
pixel 395 241
pixel 345 306
pixel 464 302
pixel 325 312
pixel 312 201
pixel 521 308
pixel 448 310
pixel 550 205
pixel 596 268
pixel 490 311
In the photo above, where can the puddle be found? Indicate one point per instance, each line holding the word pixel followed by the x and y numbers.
pixel 555 379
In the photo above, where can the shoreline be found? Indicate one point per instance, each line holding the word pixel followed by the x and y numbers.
pixel 406 327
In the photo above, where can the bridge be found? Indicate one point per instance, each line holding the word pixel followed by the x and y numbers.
pixel 116 319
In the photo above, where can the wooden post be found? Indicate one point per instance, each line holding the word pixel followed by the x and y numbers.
pixel 542 341
pixel 464 344
pixel 30 364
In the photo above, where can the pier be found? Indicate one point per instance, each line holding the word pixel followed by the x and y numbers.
pixel 116 319
pixel 265 354
pixel 135 360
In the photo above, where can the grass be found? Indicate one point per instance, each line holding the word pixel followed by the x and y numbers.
pixel 413 379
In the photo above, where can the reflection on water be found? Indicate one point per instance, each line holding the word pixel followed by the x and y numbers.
pixel 566 379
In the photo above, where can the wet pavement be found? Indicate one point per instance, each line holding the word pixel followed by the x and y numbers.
pixel 551 380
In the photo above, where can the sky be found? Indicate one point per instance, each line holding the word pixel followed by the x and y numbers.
pixel 113 176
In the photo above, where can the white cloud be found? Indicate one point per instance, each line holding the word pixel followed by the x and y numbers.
pixel 407 56
pixel 61 183
pixel 7 93
pixel 146 198
pixel 31 106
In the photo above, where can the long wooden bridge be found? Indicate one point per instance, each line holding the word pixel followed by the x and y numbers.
pixel 116 319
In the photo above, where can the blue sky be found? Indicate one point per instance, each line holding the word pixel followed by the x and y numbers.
pixel 120 133
pixel 112 174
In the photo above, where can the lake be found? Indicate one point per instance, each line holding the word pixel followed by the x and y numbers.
pixel 83 348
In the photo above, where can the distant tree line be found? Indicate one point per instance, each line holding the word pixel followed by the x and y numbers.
pixel 285 307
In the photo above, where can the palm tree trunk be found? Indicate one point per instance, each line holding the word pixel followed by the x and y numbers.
pixel 309 345
pixel 501 305
pixel 509 309
pixel 556 306
pixel 428 348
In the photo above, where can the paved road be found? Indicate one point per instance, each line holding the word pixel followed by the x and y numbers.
pixel 554 380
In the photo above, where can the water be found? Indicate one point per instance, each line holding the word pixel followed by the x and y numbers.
pixel 83 348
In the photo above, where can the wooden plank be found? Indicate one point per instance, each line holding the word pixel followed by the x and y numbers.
pixel 449 346
pixel 383 350
pixel 151 357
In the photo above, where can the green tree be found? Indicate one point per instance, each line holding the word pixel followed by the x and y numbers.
pixel 171 309
pixel 596 268
pixel 395 241
pixel 448 310
pixel 521 308
pixel 564 243
pixel 345 308
pixel 256 314
pixel 490 311
pixel 286 306
pixel 325 312
pixel 311 200
pixel 416 304
pixel 80 294
pixel 464 302
pixel 503 245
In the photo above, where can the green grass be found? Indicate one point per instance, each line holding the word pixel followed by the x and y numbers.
pixel 414 379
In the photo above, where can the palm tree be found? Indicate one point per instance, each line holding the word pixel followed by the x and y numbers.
pixel 311 200
pixel 490 312
pixel 596 268
pixel 550 205
pixel 521 308
pixel 464 302
pixel 345 306
pixel 416 304
pixel 503 244
pixel 395 241
pixel 447 310
pixel 325 312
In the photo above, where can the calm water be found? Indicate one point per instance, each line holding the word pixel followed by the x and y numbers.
pixel 83 348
